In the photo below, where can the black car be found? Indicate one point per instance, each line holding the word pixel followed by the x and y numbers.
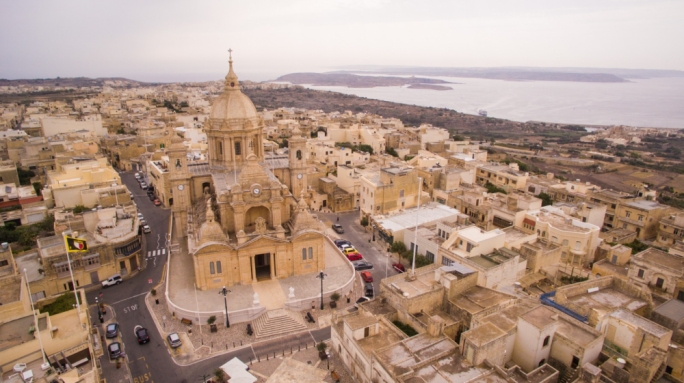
pixel 151 195
pixel 362 265
pixel 340 242
pixel 112 330
pixel 141 334
pixel 338 228
pixel 368 289
pixel 361 300
pixel 114 350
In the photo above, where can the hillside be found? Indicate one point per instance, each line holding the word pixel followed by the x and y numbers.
pixel 354 81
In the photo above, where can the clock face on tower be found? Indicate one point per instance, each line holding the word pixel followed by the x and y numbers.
pixel 256 191
pixel 299 176
pixel 181 187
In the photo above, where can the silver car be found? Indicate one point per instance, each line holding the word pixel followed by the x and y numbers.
pixel 174 340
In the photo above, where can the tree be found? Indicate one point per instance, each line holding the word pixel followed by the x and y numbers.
pixel 601 144
pixel 366 149
pixel 391 152
pixel 364 221
pixel 546 199
pixel 398 247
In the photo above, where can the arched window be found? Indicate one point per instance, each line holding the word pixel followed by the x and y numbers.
pixel 311 253
pixel 299 154
pixel 304 254
pixel 220 148
pixel 211 268
pixel 546 340
pixel 565 242
pixel 218 267
pixel 238 149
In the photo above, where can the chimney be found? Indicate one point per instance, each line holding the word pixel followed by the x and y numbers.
pixel 435 326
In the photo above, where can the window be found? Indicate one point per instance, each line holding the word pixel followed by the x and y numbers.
pixel 220 147
pixel 303 254
pixel 238 149
pixel 447 262
pixel 299 154
pixel 659 283
pixel 218 267
pixel 430 256
pixel 541 362
pixel 640 218
pixel 212 270
pixel 628 214
pixel 578 245
pixel 554 239
pixel 565 242
pixel 4 262
pixel 311 253
pixel 546 341
pixel 401 193
pixel 575 362
pixel 640 274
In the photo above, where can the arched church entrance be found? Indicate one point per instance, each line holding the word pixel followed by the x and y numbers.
pixel 262 267
pixel 253 214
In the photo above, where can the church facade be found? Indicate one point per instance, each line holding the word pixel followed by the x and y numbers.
pixel 243 214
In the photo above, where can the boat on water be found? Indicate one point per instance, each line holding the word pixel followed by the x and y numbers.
pixel 482 112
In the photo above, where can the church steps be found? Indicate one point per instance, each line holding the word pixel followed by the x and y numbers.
pixel 278 322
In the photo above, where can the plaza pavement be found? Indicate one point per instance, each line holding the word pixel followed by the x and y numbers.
pixel 272 294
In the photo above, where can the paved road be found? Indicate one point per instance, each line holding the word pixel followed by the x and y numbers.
pixel 152 362
pixel 373 251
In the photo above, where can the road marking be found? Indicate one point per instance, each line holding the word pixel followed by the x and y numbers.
pixel 163 251
pixel 123 300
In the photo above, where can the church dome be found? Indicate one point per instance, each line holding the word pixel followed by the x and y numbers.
pixel 232 104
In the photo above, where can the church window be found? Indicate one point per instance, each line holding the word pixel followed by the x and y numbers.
pixel 238 149
pixel 218 267
pixel 212 270
pixel 311 253
pixel 401 193
pixel 304 254
pixel 220 147
pixel 299 154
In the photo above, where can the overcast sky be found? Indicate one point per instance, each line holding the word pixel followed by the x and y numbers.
pixel 187 40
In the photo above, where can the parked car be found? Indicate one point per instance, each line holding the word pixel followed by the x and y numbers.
pixel 362 265
pixel 349 250
pixel 368 290
pixel 399 267
pixel 354 257
pixel 366 276
pixel 174 340
pixel 361 300
pixel 143 222
pixel 141 335
pixel 338 228
pixel 113 280
pixel 112 330
pixel 143 185
pixel 340 242
pixel 137 176
pixel 151 196
pixel 157 202
pixel 147 229
pixel 114 350
pixel 140 216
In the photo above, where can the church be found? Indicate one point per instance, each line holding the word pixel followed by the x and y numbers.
pixel 243 213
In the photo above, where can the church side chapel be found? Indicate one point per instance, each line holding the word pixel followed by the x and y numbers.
pixel 242 222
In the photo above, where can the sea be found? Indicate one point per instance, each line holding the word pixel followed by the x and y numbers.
pixel 653 102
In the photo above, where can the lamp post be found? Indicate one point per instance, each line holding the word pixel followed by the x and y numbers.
pixel 321 275
pixel 224 291
pixel 35 320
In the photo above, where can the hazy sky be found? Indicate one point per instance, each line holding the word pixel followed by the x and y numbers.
pixel 187 40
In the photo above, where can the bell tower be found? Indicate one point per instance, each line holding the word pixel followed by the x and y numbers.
pixel 297 148
pixel 180 184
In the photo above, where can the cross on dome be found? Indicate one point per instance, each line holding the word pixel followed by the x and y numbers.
pixel 231 78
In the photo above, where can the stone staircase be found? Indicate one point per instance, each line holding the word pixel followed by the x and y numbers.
pixel 278 322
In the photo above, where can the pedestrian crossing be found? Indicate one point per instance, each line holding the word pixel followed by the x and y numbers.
pixel 154 253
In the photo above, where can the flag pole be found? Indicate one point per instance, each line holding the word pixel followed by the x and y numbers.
pixel 71 272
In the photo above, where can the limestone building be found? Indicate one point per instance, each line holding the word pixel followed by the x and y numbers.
pixel 244 215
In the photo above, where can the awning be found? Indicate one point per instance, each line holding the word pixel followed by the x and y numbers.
pixel 529 221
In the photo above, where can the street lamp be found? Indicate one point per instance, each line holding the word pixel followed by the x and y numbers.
pixel 224 291
pixel 321 275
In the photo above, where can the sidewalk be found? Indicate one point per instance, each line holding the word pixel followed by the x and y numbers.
pixel 109 370
pixel 204 344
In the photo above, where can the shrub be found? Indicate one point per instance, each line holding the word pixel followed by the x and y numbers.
pixel 398 247
pixel 65 302
pixel 321 346
pixel 211 319
pixel 364 221
pixel 406 329
pixel 335 297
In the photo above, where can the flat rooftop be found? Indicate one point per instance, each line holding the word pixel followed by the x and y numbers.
pixel 451 369
pixel 423 283
pixel 645 205
pixel 475 234
pixel 383 338
pixel 673 309
pixel 661 258
pixel 401 357
pixel 477 299
pixel 431 212
pixel 16 332
pixel 605 301
pixel 576 332
pixel 641 322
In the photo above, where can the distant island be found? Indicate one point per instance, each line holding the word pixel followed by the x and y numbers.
pixel 429 86
pixel 355 81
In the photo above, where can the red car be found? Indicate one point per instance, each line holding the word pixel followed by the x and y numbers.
pixel 157 202
pixel 366 276
pixel 398 267
pixel 354 257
